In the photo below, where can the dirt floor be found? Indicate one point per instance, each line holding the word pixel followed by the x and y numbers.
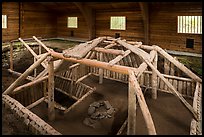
pixel 169 114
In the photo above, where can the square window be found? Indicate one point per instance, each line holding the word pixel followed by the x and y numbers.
pixel 189 43
pixel 189 24
pixel 72 22
pixel 118 23
pixel 4 21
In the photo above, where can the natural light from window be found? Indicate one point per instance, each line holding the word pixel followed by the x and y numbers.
pixel 72 22
pixel 190 24
pixel 4 21
pixel 118 23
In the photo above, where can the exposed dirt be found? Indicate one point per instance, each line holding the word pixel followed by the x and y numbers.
pixel 11 125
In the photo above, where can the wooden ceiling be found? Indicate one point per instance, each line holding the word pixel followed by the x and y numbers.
pixel 71 6
pixel 65 7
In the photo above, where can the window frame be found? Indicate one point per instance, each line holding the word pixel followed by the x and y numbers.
pixel 122 28
pixel 5 23
pixel 184 28
pixel 68 23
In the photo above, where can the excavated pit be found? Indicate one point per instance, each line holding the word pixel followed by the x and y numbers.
pixel 168 113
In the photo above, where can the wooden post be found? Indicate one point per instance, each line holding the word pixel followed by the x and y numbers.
pixel 27 85
pixel 35 70
pixel 178 64
pixel 101 70
pixel 41 44
pixel 51 103
pixel 40 49
pixel 32 52
pixel 19 74
pixel 45 88
pixel 11 55
pixel 144 108
pixel 131 109
pixel 146 58
pixel 25 74
pixel 154 78
pixel 166 66
pixel 174 91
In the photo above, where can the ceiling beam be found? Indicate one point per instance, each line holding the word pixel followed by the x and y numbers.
pixel 145 15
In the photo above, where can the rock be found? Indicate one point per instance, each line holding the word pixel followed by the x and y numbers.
pixel 107 105
pixel 95 104
pixel 89 122
pixel 91 110
pixel 108 116
pixel 101 116
pixel 95 115
pixel 110 111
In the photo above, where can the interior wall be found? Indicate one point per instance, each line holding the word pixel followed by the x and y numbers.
pixel 163 26
pixel 64 32
pixel 134 24
pixel 11 9
pixel 36 20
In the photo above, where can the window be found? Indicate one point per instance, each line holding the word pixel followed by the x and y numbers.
pixel 189 43
pixel 190 24
pixel 118 23
pixel 72 22
pixel 4 21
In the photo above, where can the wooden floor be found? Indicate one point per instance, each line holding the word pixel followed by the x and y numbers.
pixel 169 114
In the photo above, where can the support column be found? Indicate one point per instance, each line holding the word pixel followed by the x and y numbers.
pixel 101 70
pixel 131 109
pixel 51 104
pixel 11 55
pixel 154 78
pixel 35 70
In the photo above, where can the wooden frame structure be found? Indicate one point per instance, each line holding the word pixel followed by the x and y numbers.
pixel 106 57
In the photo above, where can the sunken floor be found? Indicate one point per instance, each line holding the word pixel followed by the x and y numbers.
pixel 169 114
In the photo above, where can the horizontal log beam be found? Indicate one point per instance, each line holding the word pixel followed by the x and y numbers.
pixel 79 100
pixel 25 74
pixel 94 63
pixel 174 91
pixel 178 64
pixel 143 66
pixel 19 74
pixel 119 57
pixel 110 45
pixel 27 85
pixel 43 45
pixel 67 94
pixel 32 52
pixel 109 51
pixel 134 49
pixel 56 105
pixel 82 78
pixel 36 103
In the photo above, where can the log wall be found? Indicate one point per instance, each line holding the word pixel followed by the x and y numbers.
pixel 11 9
pixel 163 26
pixel 29 95
pixel 134 24
pixel 65 32
pixel 37 20
pixel 185 86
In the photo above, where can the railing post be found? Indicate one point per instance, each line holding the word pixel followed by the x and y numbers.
pixel 51 104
